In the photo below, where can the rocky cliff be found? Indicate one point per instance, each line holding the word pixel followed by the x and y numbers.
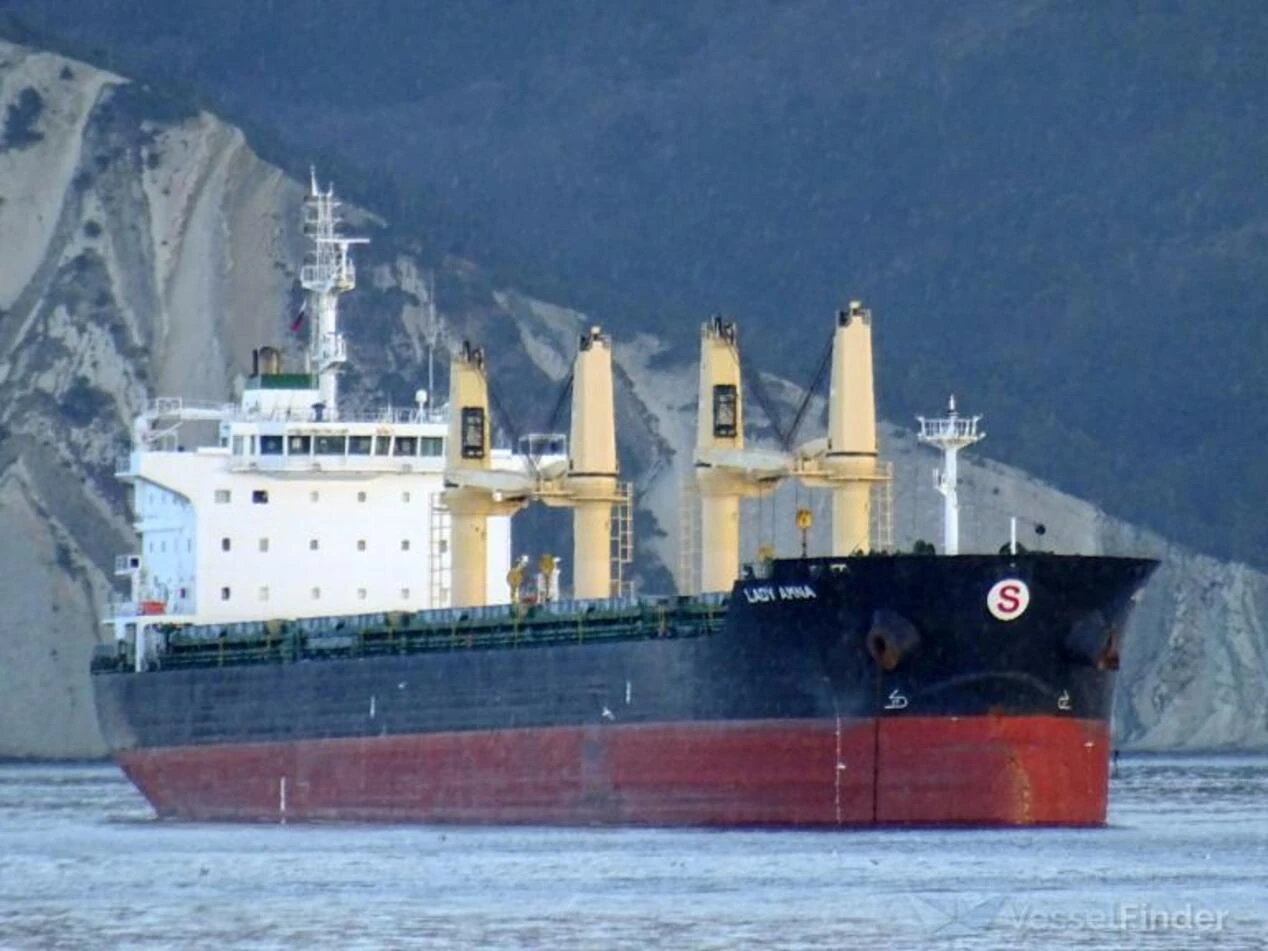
pixel 147 250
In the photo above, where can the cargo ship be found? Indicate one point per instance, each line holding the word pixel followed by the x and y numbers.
pixel 325 621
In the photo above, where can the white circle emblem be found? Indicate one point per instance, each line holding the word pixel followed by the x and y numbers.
pixel 1008 599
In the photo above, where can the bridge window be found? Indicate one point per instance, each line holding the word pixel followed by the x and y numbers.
pixel 360 445
pixel 270 445
pixel 431 446
pixel 260 497
pixel 299 445
pixel 330 445
pixel 222 496
pixel 382 445
pixel 405 446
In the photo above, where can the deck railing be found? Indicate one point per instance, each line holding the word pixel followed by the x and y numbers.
pixel 177 408
pixel 445 629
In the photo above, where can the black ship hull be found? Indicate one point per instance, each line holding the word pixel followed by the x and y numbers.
pixel 880 689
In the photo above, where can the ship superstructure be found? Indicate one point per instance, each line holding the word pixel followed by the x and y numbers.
pixel 287 504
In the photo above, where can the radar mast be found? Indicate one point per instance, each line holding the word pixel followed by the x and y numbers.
pixel 950 433
pixel 329 273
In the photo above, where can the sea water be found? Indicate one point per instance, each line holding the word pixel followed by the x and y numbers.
pixel 1183 863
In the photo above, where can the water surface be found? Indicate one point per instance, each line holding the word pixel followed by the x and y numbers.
pixel 1184 863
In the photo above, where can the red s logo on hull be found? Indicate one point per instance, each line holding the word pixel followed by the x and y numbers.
pixel 1008 599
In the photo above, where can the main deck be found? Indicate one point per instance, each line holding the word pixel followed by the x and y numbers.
pixel 281 641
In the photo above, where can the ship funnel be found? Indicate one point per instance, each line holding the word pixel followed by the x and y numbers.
pixel 592 469
pixel 269 361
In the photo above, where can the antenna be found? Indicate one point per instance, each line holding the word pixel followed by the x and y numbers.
pixel 433 330
pixel 329 273
pixel 950 433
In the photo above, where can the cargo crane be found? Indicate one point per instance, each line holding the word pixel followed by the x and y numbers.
pixel 725 471
pixel 586 481
pixel 845 461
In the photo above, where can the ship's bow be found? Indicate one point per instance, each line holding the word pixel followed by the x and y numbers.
pixel 976 690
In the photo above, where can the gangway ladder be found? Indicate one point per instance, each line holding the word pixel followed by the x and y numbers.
pixel 441 558
pixel 882 508
pixel 623 541
pixel 689 538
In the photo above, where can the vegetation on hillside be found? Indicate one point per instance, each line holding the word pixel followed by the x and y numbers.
pixel 1058 212
pixel 20 118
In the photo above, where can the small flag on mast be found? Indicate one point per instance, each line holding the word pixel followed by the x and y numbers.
pixel 299 318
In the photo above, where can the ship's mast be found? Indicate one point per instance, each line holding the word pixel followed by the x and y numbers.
pixel 432 331
pixel 950 433
pixel 329 274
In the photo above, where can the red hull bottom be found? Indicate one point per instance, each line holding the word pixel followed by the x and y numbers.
pixel 981 771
